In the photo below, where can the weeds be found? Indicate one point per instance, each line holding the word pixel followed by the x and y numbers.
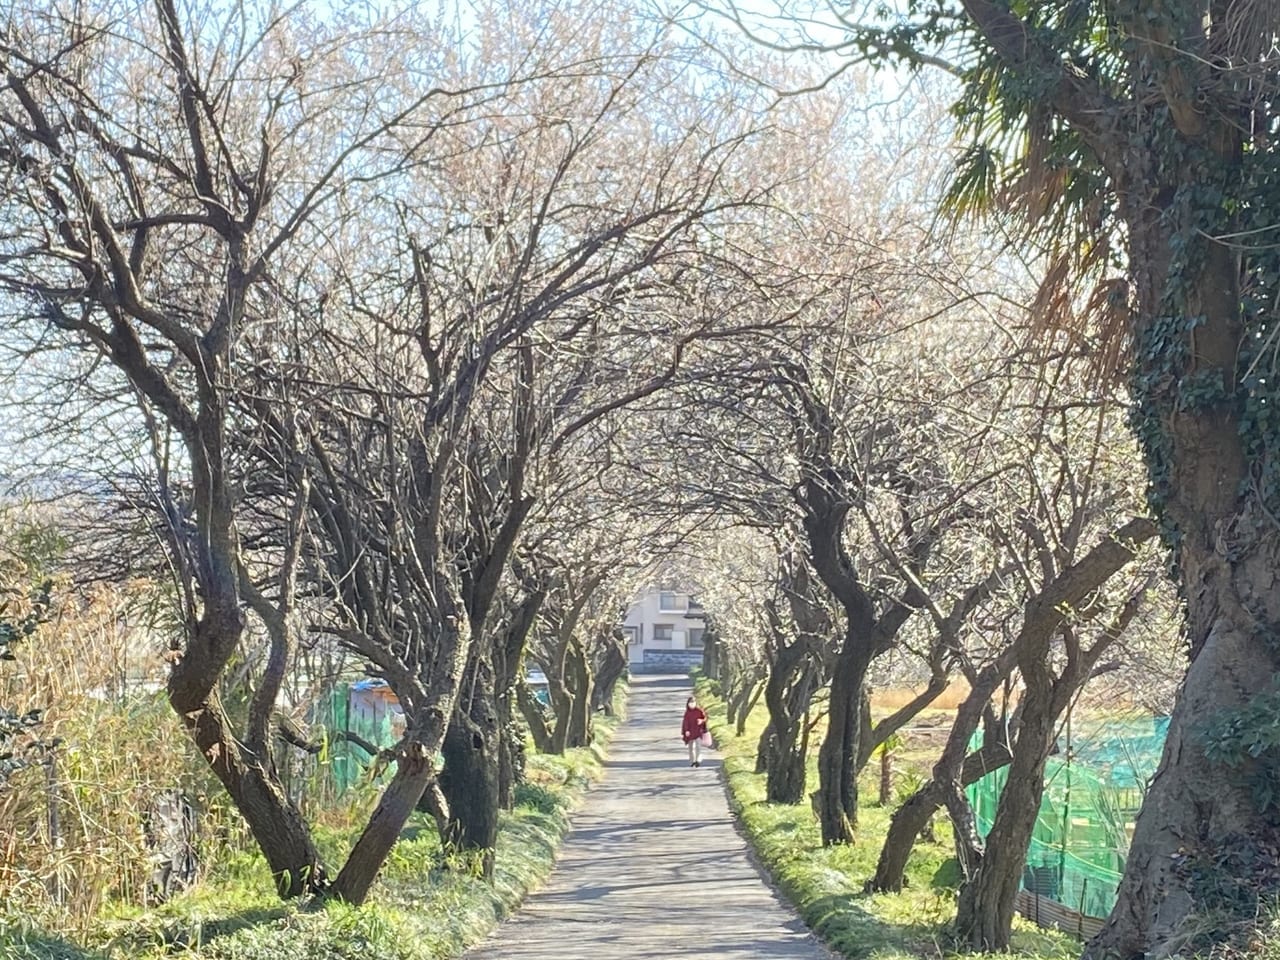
pixel 74 826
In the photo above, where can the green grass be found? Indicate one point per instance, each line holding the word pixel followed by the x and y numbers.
pixel 423 906
pixel 826 883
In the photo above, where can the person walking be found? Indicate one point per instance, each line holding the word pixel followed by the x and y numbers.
pixel 693 730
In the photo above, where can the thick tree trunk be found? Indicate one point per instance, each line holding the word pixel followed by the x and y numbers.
pixel 470 785
pixel 508 660
pixel 581 684
pixel 570 685
pixel 415 770
pixel 1204 819
pixel 985 912
pixel 613 664
pixel 1183 184
pixel 562 711
pixel 785 764
pixel 786 695
pixel 766 747
pixel 826 505
pixel 510 755
pixel 471 775
pixel 511 763
pixel 412 776
pixel 786 777
pixel 784 754
pixel 837 798
pixel 242 762
pixel 711 656
pixel 428 702
pixel 905 826
pixel 510 745
pixel 984 917
pixel 742 702
pixel 964 829
pixel 952 768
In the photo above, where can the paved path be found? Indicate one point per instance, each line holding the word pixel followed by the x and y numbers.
pixel 654 868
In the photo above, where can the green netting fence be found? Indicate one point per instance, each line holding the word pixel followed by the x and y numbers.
pixel 1093 790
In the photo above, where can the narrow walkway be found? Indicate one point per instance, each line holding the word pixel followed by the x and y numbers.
pixel 654 867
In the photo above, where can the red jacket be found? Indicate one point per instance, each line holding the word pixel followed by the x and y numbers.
pixel 695 724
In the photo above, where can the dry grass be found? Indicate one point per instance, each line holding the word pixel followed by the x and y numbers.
pixel 73 827
pixel 1099 697
pixel 888 699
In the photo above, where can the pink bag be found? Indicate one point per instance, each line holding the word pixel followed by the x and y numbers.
pixel 705 739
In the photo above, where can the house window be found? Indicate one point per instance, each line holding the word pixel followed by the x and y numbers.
pixel 662 635
pixel 667 601
pixel 695 638
pixel 632 634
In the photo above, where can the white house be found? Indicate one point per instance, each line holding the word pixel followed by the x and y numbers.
pixel 664 630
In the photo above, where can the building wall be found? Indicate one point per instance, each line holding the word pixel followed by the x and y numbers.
pixel 668 661
pixel 661 620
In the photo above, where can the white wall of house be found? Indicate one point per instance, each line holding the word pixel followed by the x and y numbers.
pixel 661 619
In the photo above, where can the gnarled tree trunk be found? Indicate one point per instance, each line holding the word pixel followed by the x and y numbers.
pixel 826 498
pixel 711 655
pixel 837 798
pixel 952 772
pixel 984 917
pixel 741 700
pixel 507 662
pixel 1203 818
pixel 570 683
pixel 470 779
pixel 907 823
pixel 787 696
pixel 766 746
pixel 612 666
pixel 1174 139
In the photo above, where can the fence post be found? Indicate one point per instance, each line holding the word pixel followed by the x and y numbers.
pixel 1084 888
pixel 53 797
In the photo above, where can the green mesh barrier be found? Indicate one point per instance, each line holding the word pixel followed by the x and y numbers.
pixel 1093 790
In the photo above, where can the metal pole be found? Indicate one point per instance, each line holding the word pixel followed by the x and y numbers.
pixel 1066 813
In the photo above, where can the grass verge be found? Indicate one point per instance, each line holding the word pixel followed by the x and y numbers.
pixel 825 883
pixel 424 907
